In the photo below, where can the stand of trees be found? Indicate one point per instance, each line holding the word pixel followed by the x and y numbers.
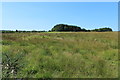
pixel 19 31
pixel 62 28
pixel 65 27
pixel 102 29
pixel 7 31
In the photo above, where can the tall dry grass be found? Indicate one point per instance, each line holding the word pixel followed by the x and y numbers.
pixel 61 55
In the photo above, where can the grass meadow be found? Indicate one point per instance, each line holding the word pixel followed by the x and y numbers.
pixel 60 55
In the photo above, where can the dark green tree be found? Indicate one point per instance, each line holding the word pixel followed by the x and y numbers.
pixel 102 29
pixel 65 27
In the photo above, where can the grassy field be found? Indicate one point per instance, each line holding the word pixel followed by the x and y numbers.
pixel 60 55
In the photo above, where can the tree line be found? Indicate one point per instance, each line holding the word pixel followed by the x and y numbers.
pixel 19 31
pixel 65 27
pixel 62 28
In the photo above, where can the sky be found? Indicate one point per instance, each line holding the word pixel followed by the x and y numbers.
pixel 60 0
pixel 45 15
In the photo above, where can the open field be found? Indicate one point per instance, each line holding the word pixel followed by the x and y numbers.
pixel 60 55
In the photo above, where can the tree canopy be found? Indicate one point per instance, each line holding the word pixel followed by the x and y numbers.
pixel 102 29
pixel 65 27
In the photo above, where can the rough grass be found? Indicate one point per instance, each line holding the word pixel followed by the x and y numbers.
pixel 61 55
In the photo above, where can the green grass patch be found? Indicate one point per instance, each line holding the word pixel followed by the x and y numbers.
pixel 61 55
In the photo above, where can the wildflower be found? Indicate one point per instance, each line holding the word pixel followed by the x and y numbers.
pixel 7 65
pixel 12 71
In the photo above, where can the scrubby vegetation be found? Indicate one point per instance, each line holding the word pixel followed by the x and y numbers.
pixel 60 55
